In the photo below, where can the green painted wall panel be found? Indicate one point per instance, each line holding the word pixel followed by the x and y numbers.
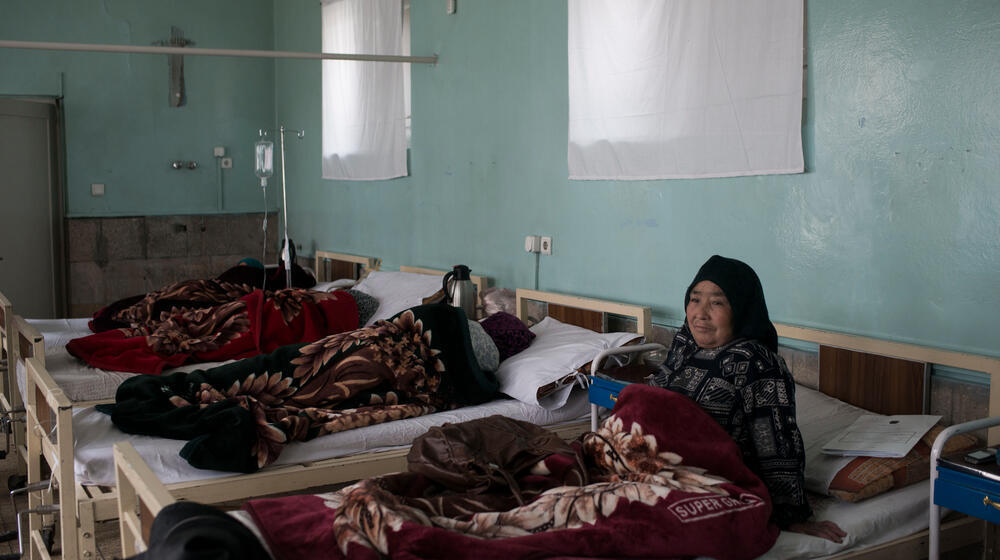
pixel 893 231
pixel 119 128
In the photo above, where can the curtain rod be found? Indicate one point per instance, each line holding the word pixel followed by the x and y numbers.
pixel 186 51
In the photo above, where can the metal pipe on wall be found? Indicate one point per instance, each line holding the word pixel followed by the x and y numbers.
pixel 195 51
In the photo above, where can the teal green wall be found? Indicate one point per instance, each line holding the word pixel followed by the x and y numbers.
pixel 119 128
pixel 893 231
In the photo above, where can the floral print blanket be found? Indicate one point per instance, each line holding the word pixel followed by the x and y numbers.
pixel 659 479
pixel 239 416
pixel 229 286
pixel 236 327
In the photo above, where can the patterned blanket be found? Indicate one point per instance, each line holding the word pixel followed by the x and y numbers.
pixel 239 416
pixel 229 286
pixel 663 480
pixel 234 327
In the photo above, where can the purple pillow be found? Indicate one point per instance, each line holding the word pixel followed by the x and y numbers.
pixel 508 333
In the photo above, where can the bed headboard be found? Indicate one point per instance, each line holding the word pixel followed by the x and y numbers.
pixel 334 266
pixel 30 343
pixel 481 282
pixel 885 376
pixel 6 317
pixel 585 312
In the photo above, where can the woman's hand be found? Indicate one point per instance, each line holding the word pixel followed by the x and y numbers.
pixel 824 529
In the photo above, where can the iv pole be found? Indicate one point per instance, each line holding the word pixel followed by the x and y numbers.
pixel 286 252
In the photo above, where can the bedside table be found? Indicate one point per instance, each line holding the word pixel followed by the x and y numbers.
pixel 955 484
pixel 606 384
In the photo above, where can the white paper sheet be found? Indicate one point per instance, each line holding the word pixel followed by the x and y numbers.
pixel 881 436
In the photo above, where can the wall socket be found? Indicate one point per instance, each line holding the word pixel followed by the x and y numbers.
pixel 533 244
pixel 226 162
pixel 546 246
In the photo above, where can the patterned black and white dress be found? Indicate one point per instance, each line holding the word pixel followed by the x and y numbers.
pixel 747 389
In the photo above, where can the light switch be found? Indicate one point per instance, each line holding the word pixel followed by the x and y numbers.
pixel 97 189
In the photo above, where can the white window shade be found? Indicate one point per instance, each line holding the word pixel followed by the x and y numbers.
pixel 364 116
pixel 664 89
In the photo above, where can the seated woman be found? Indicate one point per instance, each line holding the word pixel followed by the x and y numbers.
pixel 725 358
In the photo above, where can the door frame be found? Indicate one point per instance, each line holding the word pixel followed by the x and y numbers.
pixel 33 107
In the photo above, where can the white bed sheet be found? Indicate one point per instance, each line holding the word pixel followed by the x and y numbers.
pixel 94 436
pixel 79 381
pixel 870 522
pixel 874 521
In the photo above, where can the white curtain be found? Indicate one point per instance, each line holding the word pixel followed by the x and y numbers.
pixel 364 119
pixel 663 89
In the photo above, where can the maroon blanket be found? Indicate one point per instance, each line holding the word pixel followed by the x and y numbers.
pixel 649 494
pixel 259 322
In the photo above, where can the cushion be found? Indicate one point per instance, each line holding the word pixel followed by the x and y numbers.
pixel 820 417
pixel 558 350
pixel 366 305
pixel 486 351
pixel 865 477
pixel 397 291
pixel 509 333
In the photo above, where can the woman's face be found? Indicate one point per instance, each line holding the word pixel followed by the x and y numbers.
pixel 709 315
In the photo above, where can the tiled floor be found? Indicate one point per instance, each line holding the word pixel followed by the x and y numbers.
pixel 108 544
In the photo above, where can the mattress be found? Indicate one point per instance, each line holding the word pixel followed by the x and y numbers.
pixel 94 436
pixel 79 381
pixel 877 520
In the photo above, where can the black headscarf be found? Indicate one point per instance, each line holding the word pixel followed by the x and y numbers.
pixel 746 297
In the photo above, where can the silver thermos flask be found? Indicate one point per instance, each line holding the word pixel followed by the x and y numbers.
pixel 460 292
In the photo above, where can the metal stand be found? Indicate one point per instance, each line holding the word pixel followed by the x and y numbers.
pixel 286 253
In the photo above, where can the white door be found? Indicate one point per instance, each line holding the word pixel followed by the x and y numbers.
pixel 30 208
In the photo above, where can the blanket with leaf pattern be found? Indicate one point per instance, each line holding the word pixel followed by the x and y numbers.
pixel 239 416
pixel 659 479
pixel 238 325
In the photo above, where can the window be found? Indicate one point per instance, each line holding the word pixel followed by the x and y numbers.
pixel 365 103
pixel 662 89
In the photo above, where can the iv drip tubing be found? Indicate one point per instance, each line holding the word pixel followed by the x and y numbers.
pixel 197 51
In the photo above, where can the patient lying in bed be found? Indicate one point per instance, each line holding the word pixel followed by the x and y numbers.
pixel 239 416
pixel 496 488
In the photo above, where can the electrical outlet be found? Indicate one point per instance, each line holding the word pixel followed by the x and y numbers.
pixel 97 189
pixel 226 162
pixel 219 151
pixel 532 244
pixel 546 246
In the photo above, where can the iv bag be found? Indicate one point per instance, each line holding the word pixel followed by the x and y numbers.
pixel 263 160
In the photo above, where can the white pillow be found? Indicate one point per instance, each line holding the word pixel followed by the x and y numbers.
pixel 396 291
pixel 557 351
pixel 334 285
pixel 820 417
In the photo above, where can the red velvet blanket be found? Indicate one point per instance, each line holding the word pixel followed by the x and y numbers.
pixel 663 480
pixel 256 323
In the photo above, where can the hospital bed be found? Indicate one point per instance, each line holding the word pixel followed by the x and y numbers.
pixel 73 385
pixel 355 453
pixel 51 400
pixel 885 377
pixel 85 385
